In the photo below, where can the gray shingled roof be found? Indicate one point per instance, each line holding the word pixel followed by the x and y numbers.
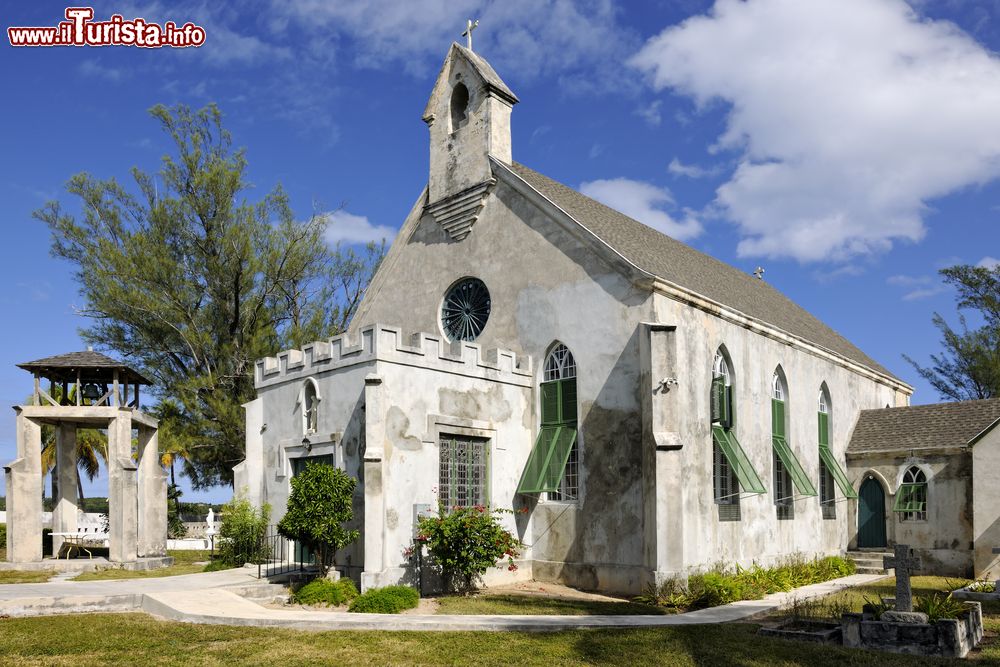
pixel 940 425
pixel 678 263
pixel 64 366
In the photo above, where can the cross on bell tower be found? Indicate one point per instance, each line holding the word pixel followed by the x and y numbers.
pixel 469 27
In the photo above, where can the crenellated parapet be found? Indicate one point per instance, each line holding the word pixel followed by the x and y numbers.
pixel 380 343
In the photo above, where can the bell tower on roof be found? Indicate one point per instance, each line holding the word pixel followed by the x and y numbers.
pixel 468 114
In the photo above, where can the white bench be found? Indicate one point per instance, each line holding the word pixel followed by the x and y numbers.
pixel 85 536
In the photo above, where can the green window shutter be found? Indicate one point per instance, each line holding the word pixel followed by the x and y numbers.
pixel 550 402
pixel 548 458
pixel 792 465
pixel 749 479
pixel 729 408
pixel 567 400
pixel 824 429
pixel 778 418
pixel 826 455
pixel 718 399
pixel 910 498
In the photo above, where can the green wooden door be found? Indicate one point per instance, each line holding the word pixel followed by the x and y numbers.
pixel 871 514
pixel 304 554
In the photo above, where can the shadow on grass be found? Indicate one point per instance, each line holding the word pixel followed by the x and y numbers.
pixel 512 604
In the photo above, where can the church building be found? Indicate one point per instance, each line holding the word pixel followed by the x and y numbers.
pixel 652 410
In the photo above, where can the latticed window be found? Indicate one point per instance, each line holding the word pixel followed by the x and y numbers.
pixel 827 502
pixel 560 366
pixel 911 498
pixel 783 493
pixel 464 471
pixel 789 477
pixel 727 490
pixel 554 464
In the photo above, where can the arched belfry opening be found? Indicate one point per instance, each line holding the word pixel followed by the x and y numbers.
pixel 468 115
pixel 87 390
pixel 459 106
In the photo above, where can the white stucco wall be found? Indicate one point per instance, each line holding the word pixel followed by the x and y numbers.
pixel 759 536
pixel 986 504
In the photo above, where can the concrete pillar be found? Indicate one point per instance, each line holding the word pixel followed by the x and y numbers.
pixel 662 459
pixel 122 490
pixel 23 476
pixel 152 496
pixel 374 523
pixel 248 475
pixel 64 512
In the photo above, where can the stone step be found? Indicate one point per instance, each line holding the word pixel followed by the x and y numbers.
pixel 869 562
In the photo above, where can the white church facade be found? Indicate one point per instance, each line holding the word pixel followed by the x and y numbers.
pixel 652 410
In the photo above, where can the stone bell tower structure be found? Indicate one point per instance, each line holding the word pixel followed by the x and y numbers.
pixel 87 390
pixel 469 119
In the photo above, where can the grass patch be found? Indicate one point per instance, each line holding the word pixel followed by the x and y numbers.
pixel 103 639
pixel 25 576
pixel 388 600
pixel 513 604
pixel 852 599
pixel 186 561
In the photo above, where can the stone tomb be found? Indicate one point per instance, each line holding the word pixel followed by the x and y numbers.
pixel 902 630
pixel 87 390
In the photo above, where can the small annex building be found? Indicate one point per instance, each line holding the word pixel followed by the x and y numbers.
pixel 653 411
pixel 929 476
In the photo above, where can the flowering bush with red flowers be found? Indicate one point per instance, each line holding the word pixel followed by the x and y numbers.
pixel 464 542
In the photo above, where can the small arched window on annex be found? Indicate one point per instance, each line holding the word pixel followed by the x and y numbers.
pixel 554 465
pixel 725 483
pixel 459 106
pixel 309 399
pixel 911 497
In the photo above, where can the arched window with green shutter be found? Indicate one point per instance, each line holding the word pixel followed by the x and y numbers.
pixel 789 477
pixel 830 472
pixel 554 464
pixel 732 471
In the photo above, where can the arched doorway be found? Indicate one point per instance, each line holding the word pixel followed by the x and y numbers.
pixel 871 514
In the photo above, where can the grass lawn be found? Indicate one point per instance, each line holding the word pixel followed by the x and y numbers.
pixel 532 604
pixel 105 639
pixel 185 562
pixel 24 576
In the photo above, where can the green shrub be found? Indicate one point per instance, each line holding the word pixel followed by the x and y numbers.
pixel 241 535
pixel 465 542
pixel 324 591
pixel 938 606
pixel 722 586
pixel 3 535
pixel 216 565
pixel 977 586
pixel 320 504
pixel 388 600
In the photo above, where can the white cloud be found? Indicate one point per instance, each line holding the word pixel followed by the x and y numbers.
pixel 989 263
pixel 651 113
pixel 93 67
pixel 848 116
pixel 678 168
pixel 644 202
pixel 344 227
pixel 918 287
pixel 529 37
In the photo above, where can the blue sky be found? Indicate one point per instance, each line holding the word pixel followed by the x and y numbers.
pixel 850 147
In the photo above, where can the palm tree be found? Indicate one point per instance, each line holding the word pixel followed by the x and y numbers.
pixel 91 449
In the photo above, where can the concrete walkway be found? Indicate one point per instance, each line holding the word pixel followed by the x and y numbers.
pixel 185 599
